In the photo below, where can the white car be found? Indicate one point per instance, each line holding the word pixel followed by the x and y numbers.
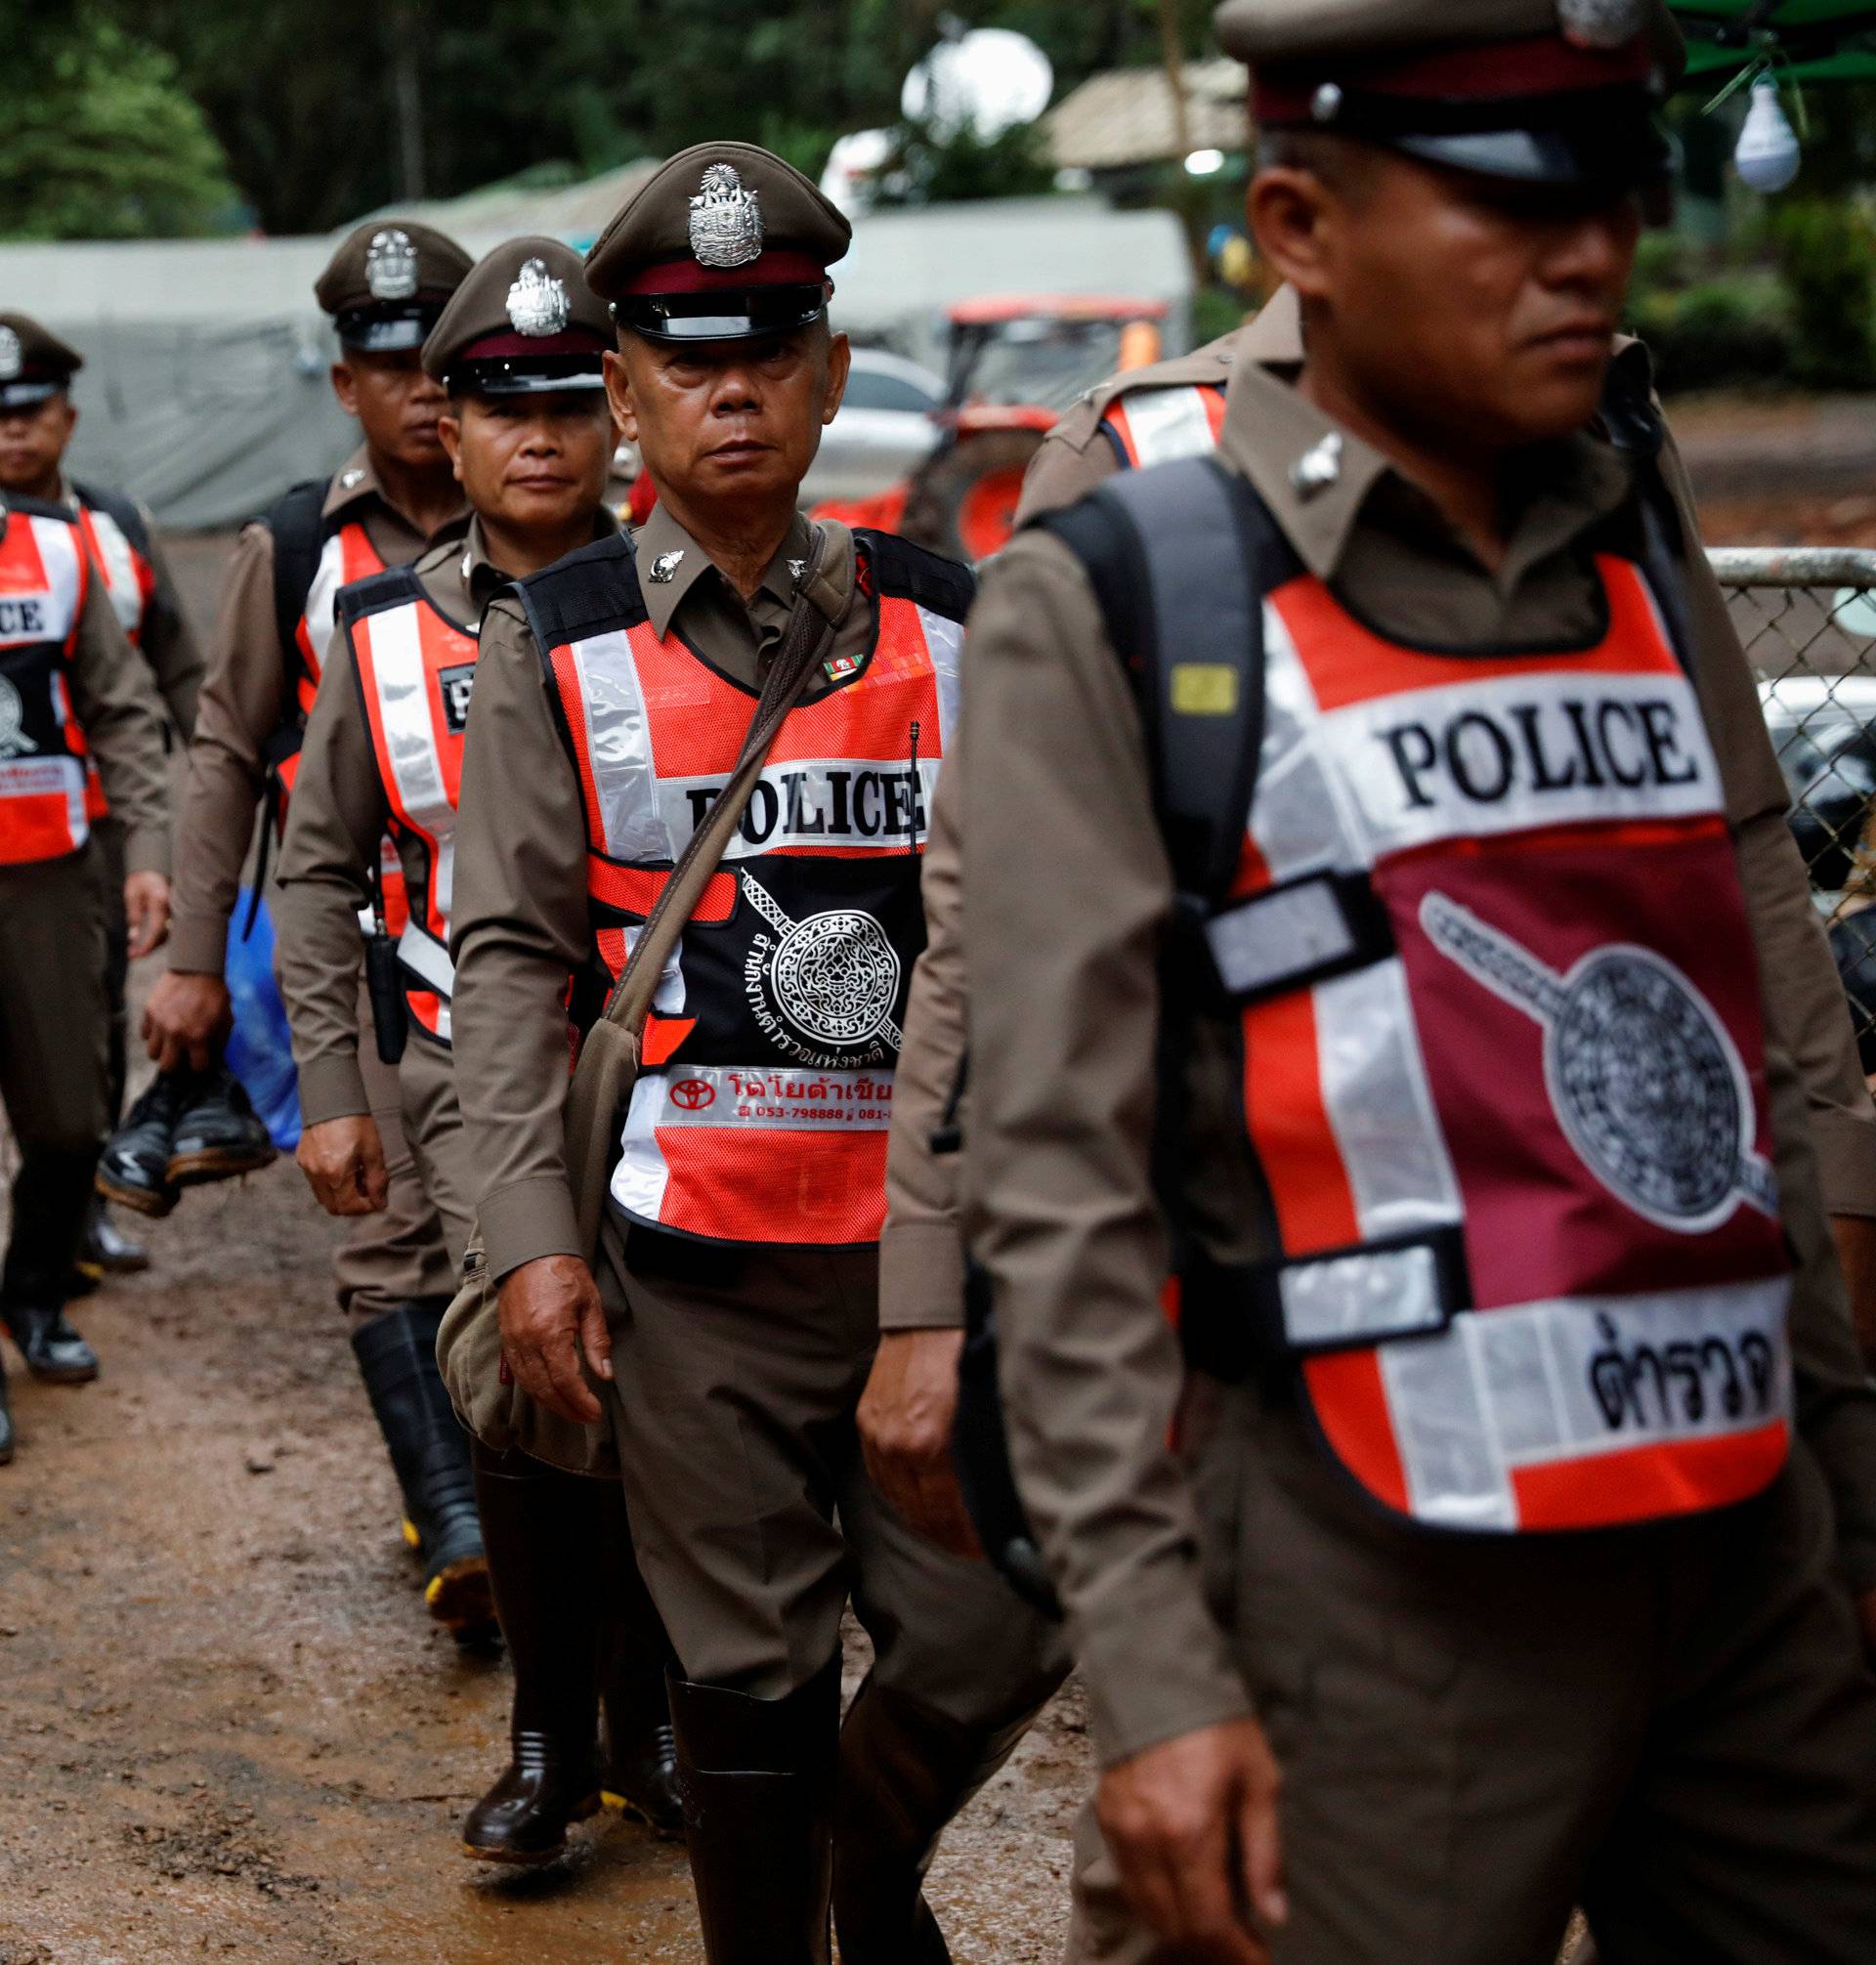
pixel 884 431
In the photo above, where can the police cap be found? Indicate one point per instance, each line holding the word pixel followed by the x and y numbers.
pixel 386 286
pixel 523 323
pixel 34 363
pixel 1554 92
pixel 726 244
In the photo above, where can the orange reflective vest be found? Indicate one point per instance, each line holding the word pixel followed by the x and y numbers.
pixel 44 811
pixel 346 556
pixel 119 544
pixel 1484 953
pixel 761 1113
pixel 1158 426
pixel 416 670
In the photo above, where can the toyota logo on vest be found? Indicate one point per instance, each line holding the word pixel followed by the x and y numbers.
pixel 693 1094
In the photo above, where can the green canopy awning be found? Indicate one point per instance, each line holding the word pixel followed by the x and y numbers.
pixel 1808 41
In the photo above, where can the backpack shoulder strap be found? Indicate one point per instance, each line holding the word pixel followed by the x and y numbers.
pixel 1181 557
pixel 592 590
pixel 299 537
pixel 377 593
pixel 899 567
pixel 120 507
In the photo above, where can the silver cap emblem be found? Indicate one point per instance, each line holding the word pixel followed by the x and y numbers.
pixel 1325 106
pixel 1319 467
pixel 1601 23
pixel 9 355
pixel 391 265
pixel 538 302
pixel 664 567
pixel 726 221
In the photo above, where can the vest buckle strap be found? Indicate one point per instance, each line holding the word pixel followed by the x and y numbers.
pixel 1292 937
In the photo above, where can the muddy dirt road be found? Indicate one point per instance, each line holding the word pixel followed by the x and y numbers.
pixel 226 1727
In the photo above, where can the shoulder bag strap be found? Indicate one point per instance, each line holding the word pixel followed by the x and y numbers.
pixel 822 598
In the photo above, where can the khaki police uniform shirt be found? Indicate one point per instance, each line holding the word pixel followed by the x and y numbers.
pixel 1066 892
pixel 244 699
pixel 520 925
pixel 335 822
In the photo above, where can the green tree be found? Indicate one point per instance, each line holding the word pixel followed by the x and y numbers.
pixel 105 144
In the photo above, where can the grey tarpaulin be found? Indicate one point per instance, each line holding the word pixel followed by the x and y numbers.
pixel 205 392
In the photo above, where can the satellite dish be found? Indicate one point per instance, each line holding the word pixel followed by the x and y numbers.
pixel 854 164
pixel 987 81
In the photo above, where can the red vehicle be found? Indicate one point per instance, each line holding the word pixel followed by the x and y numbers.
pixel 1015 363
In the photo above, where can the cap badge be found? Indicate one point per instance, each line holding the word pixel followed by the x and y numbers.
pixel 1602 24
pixel 9 355
pixel 538 302
pixel 664 567
pixel 391 265
pixel 1325 106
pixel 726 219
pixel 1319 466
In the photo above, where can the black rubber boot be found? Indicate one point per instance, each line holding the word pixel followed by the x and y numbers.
pixel 133 1167
pixel 50 1194
pixel 397 1355
pixel 640 1753
pixel 104 1250
pixel 6 1422
pixel 538 1526
pixel 757 1778
pixel 218 1135
pixel 906 1771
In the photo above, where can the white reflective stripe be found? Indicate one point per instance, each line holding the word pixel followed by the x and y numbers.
pixel 1501 1391
pixel 428 959
pixel 1168 424
pixel 1379 1104
pixel 668 999
pixel 1274 936
pixel 322 598
pixel 786 1100
pixel 401 681
pixel 117 561
pixel 1300 818
pixel 1519 752
pixel 1344 1299
pixel 861 803
pixel 47 614
pixel 945 640
pixel 619 746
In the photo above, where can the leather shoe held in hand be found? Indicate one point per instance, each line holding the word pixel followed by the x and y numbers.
pixel 218 1135
pixel 525 1817
pixel 106 1250
pixel 54 1351
pixel 133 1167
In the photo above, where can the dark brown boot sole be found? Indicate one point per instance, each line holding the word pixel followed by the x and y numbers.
pixel 461 1597
pixel 139 1200
pixel 196 1170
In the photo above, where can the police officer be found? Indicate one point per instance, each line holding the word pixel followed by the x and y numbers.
pixel 733 1310
pixel 384 288
pixel 73 693
pixel 518 352
pixel 36 425
pixel 1517 1625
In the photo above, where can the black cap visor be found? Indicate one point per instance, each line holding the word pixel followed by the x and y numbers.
pixel 748 313
pixel 525 376
pixel 389 326
pixel 29 394
pixel 1609 157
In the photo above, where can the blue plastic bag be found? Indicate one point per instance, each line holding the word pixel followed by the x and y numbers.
pixel 260 1048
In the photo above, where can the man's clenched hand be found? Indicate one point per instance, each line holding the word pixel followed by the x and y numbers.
pixel 550 1315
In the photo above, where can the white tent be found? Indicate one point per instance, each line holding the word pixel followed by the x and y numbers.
pixel 204 390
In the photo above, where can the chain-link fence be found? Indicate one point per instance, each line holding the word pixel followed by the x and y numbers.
pixel 1808 618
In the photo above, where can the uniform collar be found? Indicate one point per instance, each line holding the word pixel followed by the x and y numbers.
pixel 461 579
pixel 1272 433
pixel 355 484
pixel 670 563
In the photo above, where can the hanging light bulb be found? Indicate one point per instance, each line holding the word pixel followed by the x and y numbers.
pixel 1767 156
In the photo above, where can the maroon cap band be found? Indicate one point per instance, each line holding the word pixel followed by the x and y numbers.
pixel 499 347
pixel 684 275
pixel 1492 71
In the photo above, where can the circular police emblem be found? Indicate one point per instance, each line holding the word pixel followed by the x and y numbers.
pixel 391 265
pixel 1601 23
pixel 1645 1078
pixel 12 721
pixel 11 355
pixel 1646 1085
pixel 836 976
pixel 537 303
